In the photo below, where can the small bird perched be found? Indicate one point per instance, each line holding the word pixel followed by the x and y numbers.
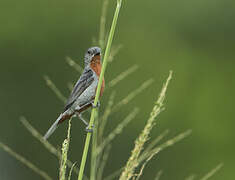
pixel 83 94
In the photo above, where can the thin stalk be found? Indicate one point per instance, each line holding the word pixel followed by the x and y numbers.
pixel 102 24
pixel 106 55
pixel 212 172
pixel 103 162
pixel 65 148
pixel 53 87
pixel 157 177
pixel 93 150
pixel 133 162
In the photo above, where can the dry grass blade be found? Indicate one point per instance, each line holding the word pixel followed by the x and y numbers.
pixel 105 116
pixel 122 75
pixel 71 170
pixel 117 130
pixel 113 53
pixel 132 95
pixel 143 166
pixel 103 162
pixel 166 144
pixel 149 155
pixel 158 176
pixel 73 64
pixel 102 23
pixel 155 141
pixel 191 177
pixel 53 87
pixel 133 162
pixel 45 143
pixel 24 161
pixel 212 172
pixel 38 136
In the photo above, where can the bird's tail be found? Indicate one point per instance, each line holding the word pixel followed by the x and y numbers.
pixel 53 127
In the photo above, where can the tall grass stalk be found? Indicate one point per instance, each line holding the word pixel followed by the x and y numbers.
pixel 64 157
pixel 106 55
pixel 101 146
pixel 93 149
pixel 133 162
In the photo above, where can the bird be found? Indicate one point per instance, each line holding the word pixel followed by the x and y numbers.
pixel 83 94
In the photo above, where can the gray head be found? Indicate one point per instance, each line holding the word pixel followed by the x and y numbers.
pixel 91 52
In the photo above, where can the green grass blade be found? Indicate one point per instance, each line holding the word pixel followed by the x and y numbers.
pixel 106 55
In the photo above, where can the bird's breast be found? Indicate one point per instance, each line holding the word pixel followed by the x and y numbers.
pixel 96 67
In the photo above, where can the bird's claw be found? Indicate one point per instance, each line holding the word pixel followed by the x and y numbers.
pixel 97 105
pixel 89 130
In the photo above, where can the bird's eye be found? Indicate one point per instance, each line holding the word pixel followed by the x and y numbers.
pixel 89 52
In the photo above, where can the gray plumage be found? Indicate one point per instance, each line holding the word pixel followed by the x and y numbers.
pixel 82 84
pixel 83 92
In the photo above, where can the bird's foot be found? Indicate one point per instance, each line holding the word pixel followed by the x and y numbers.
pixel 90 130
pixel 97 105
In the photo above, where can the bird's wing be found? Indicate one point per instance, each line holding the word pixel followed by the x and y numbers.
pixel 84 82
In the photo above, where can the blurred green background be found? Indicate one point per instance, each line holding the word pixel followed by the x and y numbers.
pixel 193 38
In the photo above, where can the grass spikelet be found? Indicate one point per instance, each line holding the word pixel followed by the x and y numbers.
pixel 132 163
pixel 155 141
pixel 64 157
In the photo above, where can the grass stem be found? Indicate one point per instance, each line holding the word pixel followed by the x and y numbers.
pixel 106 55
